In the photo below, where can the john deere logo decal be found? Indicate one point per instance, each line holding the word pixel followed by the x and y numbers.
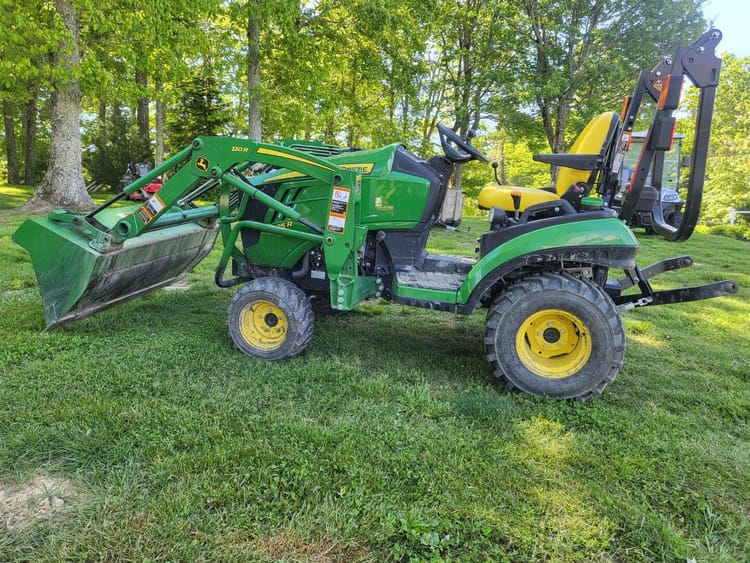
pixel 202 163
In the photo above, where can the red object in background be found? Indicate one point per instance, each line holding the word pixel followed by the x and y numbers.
pixel 148 190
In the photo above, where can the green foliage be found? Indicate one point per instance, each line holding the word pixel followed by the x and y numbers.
pixel 346 73
pixel 474 63
pixel 521 169
pixel 30 33
pixel 727 182
pixel 112 150
pixel 200 110
pixel 368 73
pixel 516 166
pixel 740 231
pixel 583 56
pixel 388 440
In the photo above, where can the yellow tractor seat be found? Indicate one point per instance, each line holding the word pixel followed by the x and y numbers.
pixel 493 195
pixel 578 166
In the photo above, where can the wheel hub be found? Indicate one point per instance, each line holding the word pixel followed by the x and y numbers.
pixel 263 325
pixel 553 343
pixel 551 335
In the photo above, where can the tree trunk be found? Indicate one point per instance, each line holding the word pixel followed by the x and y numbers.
pixel 254 130
pixel 501 164
pixel 11 148
pixel 63 184
pixel 102 120
pixel 29 139
pixel 458 176
pixel 142 119
pixel 161 120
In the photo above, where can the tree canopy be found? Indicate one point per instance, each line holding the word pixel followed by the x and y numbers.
pixel 363 73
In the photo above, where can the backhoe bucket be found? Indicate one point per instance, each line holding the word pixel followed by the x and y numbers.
pixel 76 279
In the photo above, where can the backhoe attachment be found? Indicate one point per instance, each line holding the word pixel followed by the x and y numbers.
pixel 664 85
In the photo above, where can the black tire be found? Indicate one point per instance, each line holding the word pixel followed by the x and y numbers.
pixel 270 318
pixel 674 219
pixel 555 335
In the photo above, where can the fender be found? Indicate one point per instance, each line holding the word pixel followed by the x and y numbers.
pixel 598 241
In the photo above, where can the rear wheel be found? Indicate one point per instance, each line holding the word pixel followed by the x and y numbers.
pixel 555 335
pixel 270 318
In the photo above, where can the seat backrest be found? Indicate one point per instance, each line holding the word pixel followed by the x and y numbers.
pixel 594 139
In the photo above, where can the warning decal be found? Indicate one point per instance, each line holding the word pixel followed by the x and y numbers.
pixel 339 209
pixel 151 209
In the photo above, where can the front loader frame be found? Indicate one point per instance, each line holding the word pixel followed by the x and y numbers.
pixel 101 235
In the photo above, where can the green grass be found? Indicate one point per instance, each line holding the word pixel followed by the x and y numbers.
pixel 387 440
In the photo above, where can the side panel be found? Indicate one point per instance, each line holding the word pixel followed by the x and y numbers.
pixel 394 200
pixel 311 199
pixel 390 199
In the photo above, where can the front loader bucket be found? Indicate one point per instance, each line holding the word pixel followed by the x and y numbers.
pixel 76 279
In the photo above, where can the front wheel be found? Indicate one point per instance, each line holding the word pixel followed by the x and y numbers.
pixel 270 318
pixel 555 335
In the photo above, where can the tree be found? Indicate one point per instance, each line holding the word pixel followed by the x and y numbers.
pixel 358 72
pixel 253 21
pixel 63 184
pixel 11 146
pixel 473 34
pixel 727 183
pixel 31 110
pixel 254 123
pixel 113 148
pixel 200 110
pixel 24 47
pixel 139 53
pixel 577 57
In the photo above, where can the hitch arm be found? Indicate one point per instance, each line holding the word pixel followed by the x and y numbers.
pixel 647 295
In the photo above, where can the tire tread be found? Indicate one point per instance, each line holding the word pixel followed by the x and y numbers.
pixel 514 296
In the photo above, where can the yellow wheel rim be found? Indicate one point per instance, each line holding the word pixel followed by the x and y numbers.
pixel 553 343
pixel 263 325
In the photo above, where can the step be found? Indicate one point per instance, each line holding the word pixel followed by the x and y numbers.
pixel 430 280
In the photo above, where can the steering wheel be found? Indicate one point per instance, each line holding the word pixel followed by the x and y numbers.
pixel 467 151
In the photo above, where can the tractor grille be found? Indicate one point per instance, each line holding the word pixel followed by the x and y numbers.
pixel 442 166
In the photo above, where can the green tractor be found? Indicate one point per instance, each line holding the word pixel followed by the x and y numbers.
pixel 301 222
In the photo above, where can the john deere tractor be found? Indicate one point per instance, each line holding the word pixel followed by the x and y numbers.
pixel 300 222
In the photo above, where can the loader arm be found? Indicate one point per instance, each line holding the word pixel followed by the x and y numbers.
pixel 223 159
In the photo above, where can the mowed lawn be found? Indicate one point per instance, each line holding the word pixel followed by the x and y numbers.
pixel 141 434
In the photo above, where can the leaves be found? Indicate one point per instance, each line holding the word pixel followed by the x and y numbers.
pixel 360 73
pixel 580 57
pixel 728 169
